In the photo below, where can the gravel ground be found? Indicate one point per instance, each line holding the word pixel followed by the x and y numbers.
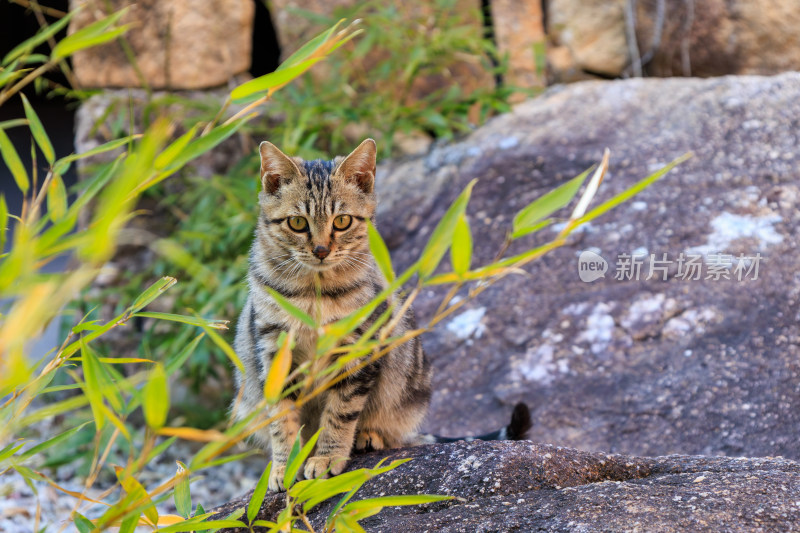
pixel 211 487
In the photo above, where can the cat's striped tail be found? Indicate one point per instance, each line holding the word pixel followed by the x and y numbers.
pixel 515 430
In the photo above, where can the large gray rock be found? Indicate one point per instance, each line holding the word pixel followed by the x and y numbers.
pixel 646 367
pixel 521 486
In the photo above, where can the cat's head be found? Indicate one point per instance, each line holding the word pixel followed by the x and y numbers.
pixel 316 212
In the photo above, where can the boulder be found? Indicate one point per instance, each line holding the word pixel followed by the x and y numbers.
pixel 181 44
pixel 518 27
pixel 673 37
pixel 636 366
pixel 522 486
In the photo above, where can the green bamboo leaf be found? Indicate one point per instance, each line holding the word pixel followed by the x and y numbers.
pixel 259 493
pixel 41 36
pixel 14 122
pixel 442 236
pixel 14 163
pixel 461 250
pixel 129 524
pixel 192 525
pixel 294 463
pixel 182 495
pixel 222 344
pixel 93 386
pixel 174 364
pixel 203 144
pixel 151 293
pixel 10 450
pixel 632 191
pixel 8 75
pixel 290 308
pixel 348 523
pixel 56 198
pixel 3 221
pixel 94 34
pixel 62 165
pixel 380 252
pixel 392 501
pixel 279 369
pixel 83 524
pixel 155 398
pixel 172 151
pixel 526 220
pixel 191 320
pixel 305 51
pixel 137 493
pixel 272 81
pixel 39 134
pixel 49 443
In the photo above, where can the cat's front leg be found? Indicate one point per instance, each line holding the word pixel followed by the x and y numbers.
pixel 283 433
pixel 343 405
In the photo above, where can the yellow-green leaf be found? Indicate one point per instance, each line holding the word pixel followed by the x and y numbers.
pixel 95 33
pixel 14 163
pixel 273 81
pixel 442 236
pixel 297 458
pixel 201 145
pixel 38 131
pixel 183 496
pixel 461 250
pixel 169 153
pixel 93 386
pixel 380 252
pixel 138 494
pixel 151 293
pixel 292 309
pixel 41 36
pixel 258 494
pixel 279 369
pixel 3 221
pixel 56 198
pixel 526 221
pixel 155 398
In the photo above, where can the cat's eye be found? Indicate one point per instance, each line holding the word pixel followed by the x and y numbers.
pixel 298 223
pixel 342 222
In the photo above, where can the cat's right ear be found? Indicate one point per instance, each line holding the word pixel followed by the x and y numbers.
pixel 276 168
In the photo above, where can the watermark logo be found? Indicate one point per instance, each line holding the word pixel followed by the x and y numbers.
pixel 686 266
pixel 591 266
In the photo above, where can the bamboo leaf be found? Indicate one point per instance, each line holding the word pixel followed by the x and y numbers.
pixel 526 220
pixel 155 398
pixel 172 151
pixel 194 434
pixel 3 222
pixel 203 144
pixel 182 495
pixel 461 250
pixel 259 493
pixel 137 492
pixel 632 191
pixel 151 293
pixel 392 501
pixel 192 525
pixel 56 198
pixel 93 386
pixel 62 165
pixel 83 524
pixel 49 443
pixel 41 36
pixel 95 33
pixel 290 308
pixel 442 236
pixel 294 463
pixel 279 369
pixel 191 320
pixel 39 134
pixel 380 252
pixel 308 49
pixel 14 163
pixel 273 81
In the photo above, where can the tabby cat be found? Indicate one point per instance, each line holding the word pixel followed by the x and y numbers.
pixel 311 240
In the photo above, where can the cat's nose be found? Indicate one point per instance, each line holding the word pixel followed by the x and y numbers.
pixel 321 251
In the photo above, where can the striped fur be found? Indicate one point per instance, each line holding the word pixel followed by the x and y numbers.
pixel 384 403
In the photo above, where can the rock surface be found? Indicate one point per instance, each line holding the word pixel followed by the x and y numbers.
pixel 673 37
pixel 521 486
pixel 647 367
pixel 180 44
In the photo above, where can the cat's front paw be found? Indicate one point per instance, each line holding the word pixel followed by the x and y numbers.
pixel 318 466
pixel 276 478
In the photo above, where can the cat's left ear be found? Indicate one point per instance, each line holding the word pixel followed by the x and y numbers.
pixel 359 166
